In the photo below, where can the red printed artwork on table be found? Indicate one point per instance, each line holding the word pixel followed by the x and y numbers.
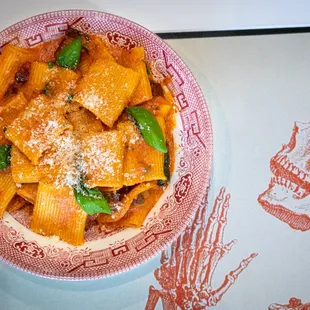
pixel 293 304
pixel 186 274
pixel 287 196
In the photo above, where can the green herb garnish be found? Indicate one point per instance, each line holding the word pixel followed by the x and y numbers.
pixel 166 170
pixel 149 127
pixel 50 64
pixel 148 71
pixel 69 56
pixel 91 200
pixel 47 89
pixel 70 98
pixel 85 49
pixel 161 183
pixel 5 156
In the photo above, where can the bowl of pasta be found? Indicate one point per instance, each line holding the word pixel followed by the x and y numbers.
pixel 105 145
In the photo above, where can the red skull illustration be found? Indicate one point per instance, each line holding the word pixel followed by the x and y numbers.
pixel 287 196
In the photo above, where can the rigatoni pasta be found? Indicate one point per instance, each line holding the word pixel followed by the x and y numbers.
pixel 125 203
pixel 28 191
pixel 72 146
pixel 142 163
pixel 84 122
pixel 106 89
pixel 138 209
pixel 15 204
pixel 57 213
pixel 8 190
pixel 37 128
pixel 103 155
pixel 135 59
pixel 9 112
pixel 11 59
pixel 23 170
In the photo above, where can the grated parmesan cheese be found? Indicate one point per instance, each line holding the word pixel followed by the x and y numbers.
pixel 65 160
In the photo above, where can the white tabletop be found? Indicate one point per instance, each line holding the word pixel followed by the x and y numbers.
pixel 177 15
pixel 256 87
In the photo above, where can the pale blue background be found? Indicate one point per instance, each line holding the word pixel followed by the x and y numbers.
pixel 176 15
pixel 19 290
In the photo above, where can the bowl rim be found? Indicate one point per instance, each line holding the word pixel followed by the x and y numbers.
pixel 207 179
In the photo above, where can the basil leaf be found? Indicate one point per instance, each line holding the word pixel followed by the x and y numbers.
pixel 166 170
pixel 92 192
pixel 69 56
pixel 91 200
pixel 167 166
pixel 149 128
pixel 5 156
pixel 50 64
pixel 161 183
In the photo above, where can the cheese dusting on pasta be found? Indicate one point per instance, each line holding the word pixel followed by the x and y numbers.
pixel 74 151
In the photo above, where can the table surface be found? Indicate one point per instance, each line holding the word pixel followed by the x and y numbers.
pixel 177 15
pixel 256 88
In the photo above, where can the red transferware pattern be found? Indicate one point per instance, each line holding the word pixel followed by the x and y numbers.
pixel 105 254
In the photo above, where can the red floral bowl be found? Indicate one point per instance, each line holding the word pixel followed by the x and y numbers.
pixel 105 254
